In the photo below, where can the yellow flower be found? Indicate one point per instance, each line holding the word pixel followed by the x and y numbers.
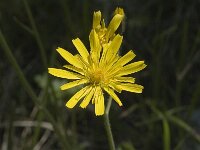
pixel 100 70
pixel 120 11
pixel 107 34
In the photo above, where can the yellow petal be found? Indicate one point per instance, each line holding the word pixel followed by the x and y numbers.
pixel 113 48
pixel 113 95
pixel 95 46
pixel 99 105
pixel 120 62
pixel 96 19
pixel 124 79
pixel 87 99
pixel 77 97
pixel 73 68
pixel 68 57
pixel 103 55
pixel 96 94
pixel 109 65
pixel 114 24
pixel 63 73
pixel 82 61
pixel 73 84
pixel 132 87
pixel 115 87
pixel 114 71
pixel 132 68
pixel 81 48
pixel 126 58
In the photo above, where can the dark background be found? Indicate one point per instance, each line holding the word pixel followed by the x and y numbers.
pixel 166 34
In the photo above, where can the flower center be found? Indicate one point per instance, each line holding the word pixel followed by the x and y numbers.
pixel 97 76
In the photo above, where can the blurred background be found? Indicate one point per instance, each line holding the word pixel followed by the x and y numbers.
pixel 166 116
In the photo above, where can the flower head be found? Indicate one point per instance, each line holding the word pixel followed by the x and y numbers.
pixel 100 70
pixel 105 34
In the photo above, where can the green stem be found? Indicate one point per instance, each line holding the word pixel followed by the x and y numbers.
pixel 29 89
pixel 166 134
pixel 107 125
pixel 36 34
pixel 179 122
pixel 20 74
pixel 165 125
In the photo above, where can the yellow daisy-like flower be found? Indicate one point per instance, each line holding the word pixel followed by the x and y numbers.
pixel 107 34
pixel 100 70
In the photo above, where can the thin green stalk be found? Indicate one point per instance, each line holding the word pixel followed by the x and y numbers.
pixel 107 125
pixel 184 126
pixel 181 142
pixel 165 125
pixel 38 40
pixel 42 98
pixel 44 60
pixel 166 134
pixel 194 99
pixel 29 89
pixel 36 33
pixel 20 74
pixel 23 26
pixel 108 105
pixel 69 24
pixel 37 130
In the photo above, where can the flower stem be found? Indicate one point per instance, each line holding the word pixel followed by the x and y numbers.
pixel 107 125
